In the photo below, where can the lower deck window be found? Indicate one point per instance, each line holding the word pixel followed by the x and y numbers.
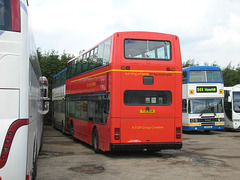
pixel 147 97
pixel 89 107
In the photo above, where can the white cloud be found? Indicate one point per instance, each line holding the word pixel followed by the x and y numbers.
pixel 208 30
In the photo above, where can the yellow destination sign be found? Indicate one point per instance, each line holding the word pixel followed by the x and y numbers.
pixel 147 110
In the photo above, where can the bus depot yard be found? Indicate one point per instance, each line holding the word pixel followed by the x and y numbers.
pixel 214 155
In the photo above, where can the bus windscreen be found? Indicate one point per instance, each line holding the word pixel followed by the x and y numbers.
pixel 5 15
pixel 236 101
pixel 147 49
pixel 205 106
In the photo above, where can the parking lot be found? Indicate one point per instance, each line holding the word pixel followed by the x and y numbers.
pixel 204 156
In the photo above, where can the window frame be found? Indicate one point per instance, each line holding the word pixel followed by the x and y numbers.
pixel 147 96
pixel 206 78
pixel 155 59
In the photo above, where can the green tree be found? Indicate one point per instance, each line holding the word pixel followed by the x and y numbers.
pixel 51 63
pixel 213 64
pixel 231 75
pixel 190 62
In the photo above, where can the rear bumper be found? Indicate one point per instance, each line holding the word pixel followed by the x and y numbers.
pixel 144 146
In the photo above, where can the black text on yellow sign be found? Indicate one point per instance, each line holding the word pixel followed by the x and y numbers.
pixel 144 111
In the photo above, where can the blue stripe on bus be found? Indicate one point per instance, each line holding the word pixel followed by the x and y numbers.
pixel 199 128
pixel 201 68
pixel 59 73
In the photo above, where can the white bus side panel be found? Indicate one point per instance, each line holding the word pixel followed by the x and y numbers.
pixel 9 104
pixel 9 57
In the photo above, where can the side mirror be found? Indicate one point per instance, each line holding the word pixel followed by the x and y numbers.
pixel 44 100
pixel 46 103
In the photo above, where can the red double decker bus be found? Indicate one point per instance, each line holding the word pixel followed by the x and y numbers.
pixel 126 93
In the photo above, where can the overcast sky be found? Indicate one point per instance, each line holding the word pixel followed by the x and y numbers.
pixel 209 30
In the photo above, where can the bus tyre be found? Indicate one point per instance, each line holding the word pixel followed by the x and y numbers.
pixel 95 141
pixel 34 166
pixel 62 129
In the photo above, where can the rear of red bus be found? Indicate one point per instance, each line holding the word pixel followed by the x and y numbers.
pixel 146 93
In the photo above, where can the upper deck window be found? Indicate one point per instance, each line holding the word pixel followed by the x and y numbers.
pixel 205 76
pixel 147 49
pixel 95 58
pixel 5 15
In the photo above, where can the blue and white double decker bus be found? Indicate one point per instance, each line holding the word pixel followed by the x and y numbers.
pixel 202 93
pixel 58 100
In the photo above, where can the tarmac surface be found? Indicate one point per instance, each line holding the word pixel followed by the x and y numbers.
pixel 213 156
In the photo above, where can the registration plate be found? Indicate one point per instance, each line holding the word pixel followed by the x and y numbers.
pixel 207 126
pixel 147 110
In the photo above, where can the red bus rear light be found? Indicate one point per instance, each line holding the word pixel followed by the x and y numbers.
pixel 117 133
pixel 170 69
pixel 178 132
pixel 125 68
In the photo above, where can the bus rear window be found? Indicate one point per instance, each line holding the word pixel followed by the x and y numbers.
pixel 147 97
pixel 147 49
pixel 5 15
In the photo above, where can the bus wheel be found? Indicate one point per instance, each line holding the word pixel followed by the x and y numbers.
pixel 95 141
pixel 34 165
pixel 63 131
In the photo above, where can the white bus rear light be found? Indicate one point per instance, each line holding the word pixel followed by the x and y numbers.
pixel 3 158
pixel 10 134
pixel 5 150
